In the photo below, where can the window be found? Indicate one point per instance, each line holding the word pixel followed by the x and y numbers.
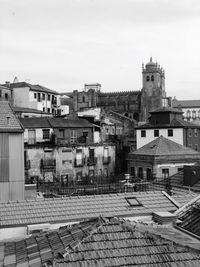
pixel 35 95
pixel 31 137
pixel 85 133
pixel 194 114
pixel 196 147
pixel 170 132
pixel 91 153
pixel 140 172
pixel 0 93
pixel 156 133
pixel 49 97
pixel 199 114
pixel 133 202
pixel 132 170
pixel 39 99
pixel 6 96
pixel 83 99
pixel 61 133
pixel 43 96
pixel 147 78
pixel 195 132
pixel 190 132
pixel 152 78
pixel 73 137
pixel 46 134
pixel 48 110
pixel 143 133
pixel 165 173
pixel 188 114
pixel 43 109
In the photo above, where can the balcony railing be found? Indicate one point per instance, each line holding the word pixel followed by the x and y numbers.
pixel 106 160
pixel 48 163
pixel 91 161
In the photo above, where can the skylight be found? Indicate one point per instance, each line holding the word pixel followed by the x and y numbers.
pixel 133 202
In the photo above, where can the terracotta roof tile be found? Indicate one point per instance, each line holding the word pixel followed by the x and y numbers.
pixel 162 146
pixel 8 120
pixel 79 208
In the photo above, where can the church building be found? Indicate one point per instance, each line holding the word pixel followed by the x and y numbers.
pixel 133 104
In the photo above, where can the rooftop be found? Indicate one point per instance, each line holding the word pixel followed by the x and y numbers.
pixel 186 103
pixel 33 87
pixel 73 209
pixel 8 121
pixel 166 109
pixel 70 123
pixel 38 122
pixel 162 146
pixel 104 242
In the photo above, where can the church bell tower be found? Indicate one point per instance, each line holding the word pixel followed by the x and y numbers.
pixel 153 88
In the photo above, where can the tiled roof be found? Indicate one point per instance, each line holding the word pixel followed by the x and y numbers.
pixel 103 242
pixel 162 146
pixel 35 87
pixel 119 243
pixel 166 109
pixel 8 120
pixel 38 122
pixel 28 110
pixel 38 249
pixel 186 103
pixel 70 209
pixel 175 123
pixel 69 123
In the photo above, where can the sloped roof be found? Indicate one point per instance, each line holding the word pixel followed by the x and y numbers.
pixel 103 242
pixel 166 109
pixel 70 123
pixel 8 121
pixel 38 122
pixel 175 123
pixel 39 249
pixel 162 146
pixel 120 243
pixel 73 209
pixel 186 103
pixel 28 110
pixel 33 87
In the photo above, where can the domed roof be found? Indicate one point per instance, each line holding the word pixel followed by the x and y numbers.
pixel 151 63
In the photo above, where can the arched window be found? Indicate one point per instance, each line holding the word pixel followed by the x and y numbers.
pixel 188 114
pixel 147 78
pixel 194 114
pixel 152 78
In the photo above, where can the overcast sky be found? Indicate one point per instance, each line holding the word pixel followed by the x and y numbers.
pixel 63 44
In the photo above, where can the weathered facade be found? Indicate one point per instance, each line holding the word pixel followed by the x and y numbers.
pixel 58 149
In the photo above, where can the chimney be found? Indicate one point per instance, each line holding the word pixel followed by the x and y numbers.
pixel 8 84
pixel 8 120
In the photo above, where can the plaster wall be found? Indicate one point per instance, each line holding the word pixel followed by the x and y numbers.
pixel 141 141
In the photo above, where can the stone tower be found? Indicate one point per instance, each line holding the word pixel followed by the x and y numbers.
pixel 153 88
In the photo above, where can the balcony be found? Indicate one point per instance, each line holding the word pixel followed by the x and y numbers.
pixel 91 161
pixel 79 162
pixel 48 163
pixel 106 160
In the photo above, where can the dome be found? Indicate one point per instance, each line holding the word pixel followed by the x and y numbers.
pixel 151 63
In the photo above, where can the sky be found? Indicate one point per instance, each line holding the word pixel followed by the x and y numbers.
pixel 63 44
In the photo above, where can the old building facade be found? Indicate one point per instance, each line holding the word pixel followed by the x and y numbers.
pixel 64 150
pixel 133 104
